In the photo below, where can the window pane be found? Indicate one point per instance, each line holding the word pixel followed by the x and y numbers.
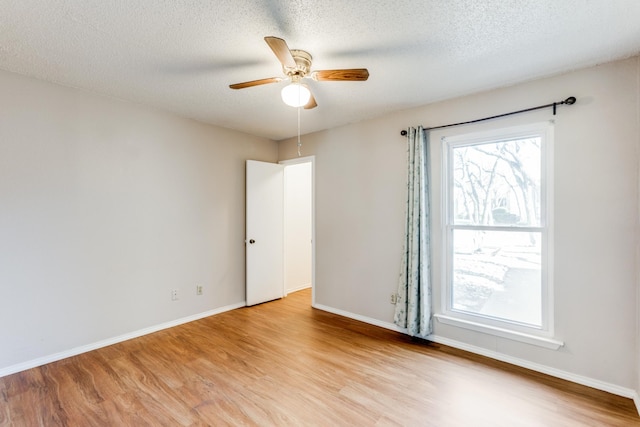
pixel 497 183
pixel 498 274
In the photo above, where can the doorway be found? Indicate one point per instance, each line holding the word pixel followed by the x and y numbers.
pixel 299 225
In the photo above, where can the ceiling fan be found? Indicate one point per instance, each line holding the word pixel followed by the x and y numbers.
pixel 296 65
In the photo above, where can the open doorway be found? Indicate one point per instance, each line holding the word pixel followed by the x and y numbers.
pixel 299 230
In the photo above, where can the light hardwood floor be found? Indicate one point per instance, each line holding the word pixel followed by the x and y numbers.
pixel 284 363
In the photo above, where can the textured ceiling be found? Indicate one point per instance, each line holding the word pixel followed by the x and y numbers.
pixel 181 55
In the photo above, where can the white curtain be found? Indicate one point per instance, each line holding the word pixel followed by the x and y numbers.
pixel 413 306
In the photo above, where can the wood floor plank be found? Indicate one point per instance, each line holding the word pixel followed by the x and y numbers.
pixel 286 364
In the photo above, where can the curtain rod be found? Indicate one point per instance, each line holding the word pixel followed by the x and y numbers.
pixel 569 101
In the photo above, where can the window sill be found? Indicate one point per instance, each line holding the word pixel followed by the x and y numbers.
pixel 545 342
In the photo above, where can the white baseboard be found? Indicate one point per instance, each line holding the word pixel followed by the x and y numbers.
pixel 109 341
pixel 299 288
pixel 558 373
pixel 364 319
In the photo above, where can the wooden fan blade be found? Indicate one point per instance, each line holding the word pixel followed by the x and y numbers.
pixel 282 51
pixel 352 74
pixel 311 104
pixel 255 83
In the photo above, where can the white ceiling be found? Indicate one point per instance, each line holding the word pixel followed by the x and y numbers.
pixel 181 55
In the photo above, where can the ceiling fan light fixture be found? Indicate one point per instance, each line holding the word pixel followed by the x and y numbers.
pixel 295 95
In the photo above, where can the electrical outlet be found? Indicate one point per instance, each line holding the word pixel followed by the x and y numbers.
pixel 198 289
pixel 174 295
pixel 394 298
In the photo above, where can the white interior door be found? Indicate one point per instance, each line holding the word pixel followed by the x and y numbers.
pixel 265 232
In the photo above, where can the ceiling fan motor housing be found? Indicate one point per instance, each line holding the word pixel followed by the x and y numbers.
pixel 303 65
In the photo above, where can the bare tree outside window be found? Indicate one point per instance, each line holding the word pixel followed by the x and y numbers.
pixel 496 218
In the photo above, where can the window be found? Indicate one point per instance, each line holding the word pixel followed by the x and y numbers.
pixel 497 231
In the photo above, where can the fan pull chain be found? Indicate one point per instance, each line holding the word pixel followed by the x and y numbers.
pixel 299 143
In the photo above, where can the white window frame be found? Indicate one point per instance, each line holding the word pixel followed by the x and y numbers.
pixel 543 335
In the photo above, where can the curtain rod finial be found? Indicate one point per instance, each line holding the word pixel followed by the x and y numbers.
pixel 570 100
pixel 403 132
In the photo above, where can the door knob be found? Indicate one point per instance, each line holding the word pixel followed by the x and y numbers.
pixel 252 241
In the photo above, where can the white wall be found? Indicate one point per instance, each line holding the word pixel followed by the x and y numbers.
pixel 106 206
pixel 360 198
pixel 297 226
pixel 637 396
